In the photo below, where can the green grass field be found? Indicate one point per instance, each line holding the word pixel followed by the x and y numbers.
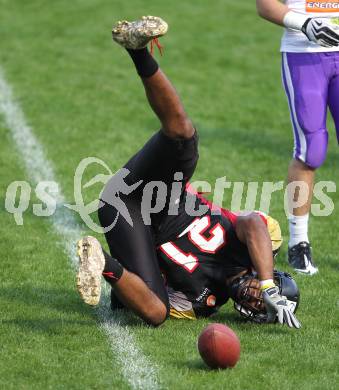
pixel 80 95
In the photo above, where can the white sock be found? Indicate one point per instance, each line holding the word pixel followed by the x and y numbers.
pixel 298 229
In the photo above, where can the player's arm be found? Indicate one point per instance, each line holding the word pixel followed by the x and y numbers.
pixel 272 10
pixel 252 231
pixel 318 30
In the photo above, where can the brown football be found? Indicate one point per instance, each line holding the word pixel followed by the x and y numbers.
pixel 219 346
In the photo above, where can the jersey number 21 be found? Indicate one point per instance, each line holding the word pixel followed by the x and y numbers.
pixel 207 241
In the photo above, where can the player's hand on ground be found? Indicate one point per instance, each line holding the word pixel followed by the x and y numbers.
pixel 276 305
pixel 321 31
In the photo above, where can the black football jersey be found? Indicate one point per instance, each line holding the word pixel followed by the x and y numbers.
pixel 198 254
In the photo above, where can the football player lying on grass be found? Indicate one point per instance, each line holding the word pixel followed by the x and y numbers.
pixel 178 264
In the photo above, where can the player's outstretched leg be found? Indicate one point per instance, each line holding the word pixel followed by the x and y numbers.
pixel 130 289
pixel 161 95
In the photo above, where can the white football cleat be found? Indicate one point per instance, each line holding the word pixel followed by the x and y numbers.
pixel 136 35
pixel 91 265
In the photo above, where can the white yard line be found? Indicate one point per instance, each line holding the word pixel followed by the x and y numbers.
pixel 135 367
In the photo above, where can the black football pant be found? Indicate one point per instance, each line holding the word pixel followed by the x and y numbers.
pixel 135 246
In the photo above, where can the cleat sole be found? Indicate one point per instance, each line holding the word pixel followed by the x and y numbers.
pixel 91 265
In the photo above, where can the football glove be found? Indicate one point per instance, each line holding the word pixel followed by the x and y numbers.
pixel 321 31
pixel 276 306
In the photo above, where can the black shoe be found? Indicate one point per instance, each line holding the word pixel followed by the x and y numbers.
pixel 300 258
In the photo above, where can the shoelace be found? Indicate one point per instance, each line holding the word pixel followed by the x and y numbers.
pixel 155 42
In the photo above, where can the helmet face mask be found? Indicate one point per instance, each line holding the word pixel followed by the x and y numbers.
pixel 247 296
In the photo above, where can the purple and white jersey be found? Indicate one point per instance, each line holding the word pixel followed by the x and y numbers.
pixel 294 41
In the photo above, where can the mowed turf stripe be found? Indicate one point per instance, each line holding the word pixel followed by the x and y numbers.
pixel 135 367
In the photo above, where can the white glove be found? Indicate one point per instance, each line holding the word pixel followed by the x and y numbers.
pixel 321 31
pixel 276 305
pixel 318 30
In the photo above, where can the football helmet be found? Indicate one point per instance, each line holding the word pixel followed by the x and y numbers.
pixel 247 295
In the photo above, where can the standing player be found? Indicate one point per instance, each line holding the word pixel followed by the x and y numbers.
pixel 310 69
pixel 205 258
